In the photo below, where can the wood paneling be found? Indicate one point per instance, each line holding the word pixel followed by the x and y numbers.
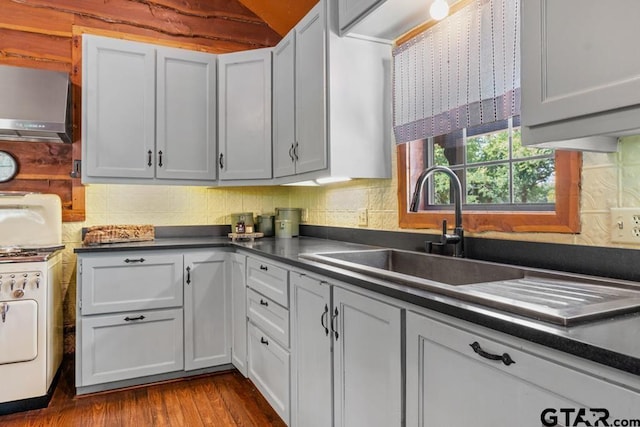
pixel 46 34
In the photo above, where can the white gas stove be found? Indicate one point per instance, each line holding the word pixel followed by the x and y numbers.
pixel 30 299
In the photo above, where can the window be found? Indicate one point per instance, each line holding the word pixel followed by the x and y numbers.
pixel 495 170
pixel 457 103
pixel 506 188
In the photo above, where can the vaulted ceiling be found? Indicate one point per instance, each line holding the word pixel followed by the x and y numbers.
pixel 280 15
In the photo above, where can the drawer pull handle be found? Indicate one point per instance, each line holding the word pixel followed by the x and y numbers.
pixel 264 267
pixel 128 261
pixel 323 318
pixel 131 319
pixel 333 317
pixel 264 341
pixel 263 302
pixel 505 358
pixel 188 275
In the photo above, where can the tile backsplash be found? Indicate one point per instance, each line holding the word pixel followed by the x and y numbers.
pixel 608 180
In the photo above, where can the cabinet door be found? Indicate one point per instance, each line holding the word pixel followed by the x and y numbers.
pixel 237 264
pixel 448 384
pixel 311 109
pixel 570 70
pixel 130 345
pixel 284 137
pixel 367 374
pixel 118 102
pixel 244 118
pixel 206 311
pixel 130 281
pixel 186 116
pixel 351 11
pixel 311 390
pixel 269 370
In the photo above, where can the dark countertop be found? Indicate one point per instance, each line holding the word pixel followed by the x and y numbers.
pixel 613 342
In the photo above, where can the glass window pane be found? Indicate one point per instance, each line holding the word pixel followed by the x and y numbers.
pixel 442 189
pixel 534 181
pixel 488 147
pixel 448 150
pixel 488 185
pixel 520 151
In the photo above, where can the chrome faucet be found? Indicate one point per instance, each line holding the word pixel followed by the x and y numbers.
pixel 457 238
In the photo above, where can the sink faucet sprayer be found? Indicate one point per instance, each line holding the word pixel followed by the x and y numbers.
pixel 457 238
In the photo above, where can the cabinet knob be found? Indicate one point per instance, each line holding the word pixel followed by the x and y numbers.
pixel 18 293
pixel 264 267
pixel 264 341
pixel 263 302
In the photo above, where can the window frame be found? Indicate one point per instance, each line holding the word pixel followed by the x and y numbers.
pixel 564 219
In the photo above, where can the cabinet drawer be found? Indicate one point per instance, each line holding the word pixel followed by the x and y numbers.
pixel 269 316
pixel 269 370
pixel 130 281
pixel 269 280
pixel 130 345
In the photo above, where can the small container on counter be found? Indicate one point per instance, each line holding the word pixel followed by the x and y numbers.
pixel 284 228
pixel 290 214
pixel 266 224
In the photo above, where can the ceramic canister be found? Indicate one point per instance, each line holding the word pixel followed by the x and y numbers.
pixel 284 228
pixel 291 214
pixel 266 224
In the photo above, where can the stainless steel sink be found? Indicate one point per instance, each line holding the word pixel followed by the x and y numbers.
pixel 407 266
pixel 559 298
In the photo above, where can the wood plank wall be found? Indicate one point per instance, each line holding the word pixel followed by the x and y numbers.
pixel 47 34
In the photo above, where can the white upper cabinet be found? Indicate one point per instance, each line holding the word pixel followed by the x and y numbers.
pixel 339 92
pixel 118 102
pixel 186 108
pixel 284 98
pixel 244 117
pixel 580 77
pixel 310 116
pixel 148 113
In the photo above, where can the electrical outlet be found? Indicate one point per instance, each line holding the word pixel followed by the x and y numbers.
pixel 363 217
pixel 625 225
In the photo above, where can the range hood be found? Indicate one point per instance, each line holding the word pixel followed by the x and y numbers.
pixel 35 105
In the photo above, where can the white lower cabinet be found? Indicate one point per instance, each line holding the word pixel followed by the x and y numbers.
pixel 129 345
pixel 311 339
pixel 207 310
pixel 269 370
pixel 459 375
pixel 367 365
pixel 146 315
pixel 237 281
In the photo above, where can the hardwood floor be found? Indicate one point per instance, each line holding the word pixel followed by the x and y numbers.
pixel 223 399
